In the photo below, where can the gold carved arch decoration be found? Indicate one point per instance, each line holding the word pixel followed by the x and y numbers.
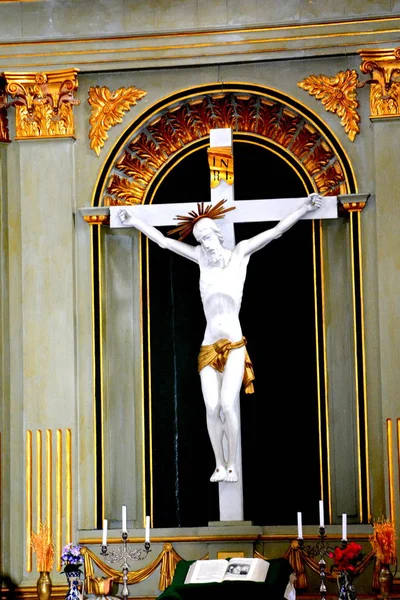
pixel 107 109
pixel 150 147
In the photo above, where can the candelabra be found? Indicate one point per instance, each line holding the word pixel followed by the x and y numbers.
pixel 321 549
pixel 123 553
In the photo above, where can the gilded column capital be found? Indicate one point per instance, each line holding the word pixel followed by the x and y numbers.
pixel 384 67
pixel 4 135
pixel 349 203
pixel 43 103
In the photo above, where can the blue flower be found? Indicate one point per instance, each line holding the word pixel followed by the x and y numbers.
pixel 71 555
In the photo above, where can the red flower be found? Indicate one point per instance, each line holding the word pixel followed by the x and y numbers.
pixel 346 559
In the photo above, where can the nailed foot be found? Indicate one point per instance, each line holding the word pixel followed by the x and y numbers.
pixel 231 474
pixel 219 474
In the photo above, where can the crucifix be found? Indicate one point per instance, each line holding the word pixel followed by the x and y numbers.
pixel 224 365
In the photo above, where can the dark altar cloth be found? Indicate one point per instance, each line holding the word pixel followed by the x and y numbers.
pixel 273 588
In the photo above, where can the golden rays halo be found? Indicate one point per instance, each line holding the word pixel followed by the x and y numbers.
pixel 187 222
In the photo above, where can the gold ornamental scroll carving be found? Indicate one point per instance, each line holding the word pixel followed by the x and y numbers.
pixel 338 95
pixel 108 109
pixel 43 103
pixel 384 66
pixel 220 161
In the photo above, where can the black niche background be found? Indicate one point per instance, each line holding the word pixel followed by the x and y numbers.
pixel 279 421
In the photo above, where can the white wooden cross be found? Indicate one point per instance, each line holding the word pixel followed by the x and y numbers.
pixel 230 494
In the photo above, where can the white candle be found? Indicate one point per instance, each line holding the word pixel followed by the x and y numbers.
pixel 344 526
pixel 124 529
pixel 321 514
pixel 147 535
pixel 104 541
pixel 299 526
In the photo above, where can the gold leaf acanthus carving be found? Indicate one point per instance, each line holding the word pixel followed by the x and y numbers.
pixel 43 102
pixel 152 147
pixel 42 123
pixel 126 192
pixel 108 109
pixel 338 95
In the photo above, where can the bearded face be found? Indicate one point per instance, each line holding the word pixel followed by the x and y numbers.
pixel 211 248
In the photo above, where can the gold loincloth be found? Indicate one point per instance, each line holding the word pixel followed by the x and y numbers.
pixel 215 355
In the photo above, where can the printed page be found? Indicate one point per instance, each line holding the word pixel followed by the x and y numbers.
pixel 206 571
pixel 247 569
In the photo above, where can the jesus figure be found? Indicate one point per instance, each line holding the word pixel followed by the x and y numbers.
pixel 224 364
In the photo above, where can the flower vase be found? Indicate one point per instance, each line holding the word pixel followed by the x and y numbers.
pixel 44 585
pixel 346 588
pixel 385 580
pixel 74 585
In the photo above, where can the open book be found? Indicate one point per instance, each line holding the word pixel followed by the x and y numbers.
pixel 235 569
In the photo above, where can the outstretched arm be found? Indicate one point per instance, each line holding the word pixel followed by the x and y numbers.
pixel 313 202
pixel 127 217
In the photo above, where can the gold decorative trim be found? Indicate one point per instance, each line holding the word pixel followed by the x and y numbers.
pixel 384 67
pixel 146 281
pixel 59 503
pixel 183 48
pixel 263 537
pixel 363 361
pixel 100 431
pixel 43 103
pixel 39 479
pixel 398 448
pixel 68 486
pixel 318 362
pixel 321 359
pixel 29 499
pixel 338 95
pixel 88 541
pixel 389 441
pixel 230 554
pixel 108 109
pixel 49 479
pixel 356 374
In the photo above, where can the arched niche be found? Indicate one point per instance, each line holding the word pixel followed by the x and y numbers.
pixel 172 131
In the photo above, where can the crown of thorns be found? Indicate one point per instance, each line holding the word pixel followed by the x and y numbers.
pixel 187 222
